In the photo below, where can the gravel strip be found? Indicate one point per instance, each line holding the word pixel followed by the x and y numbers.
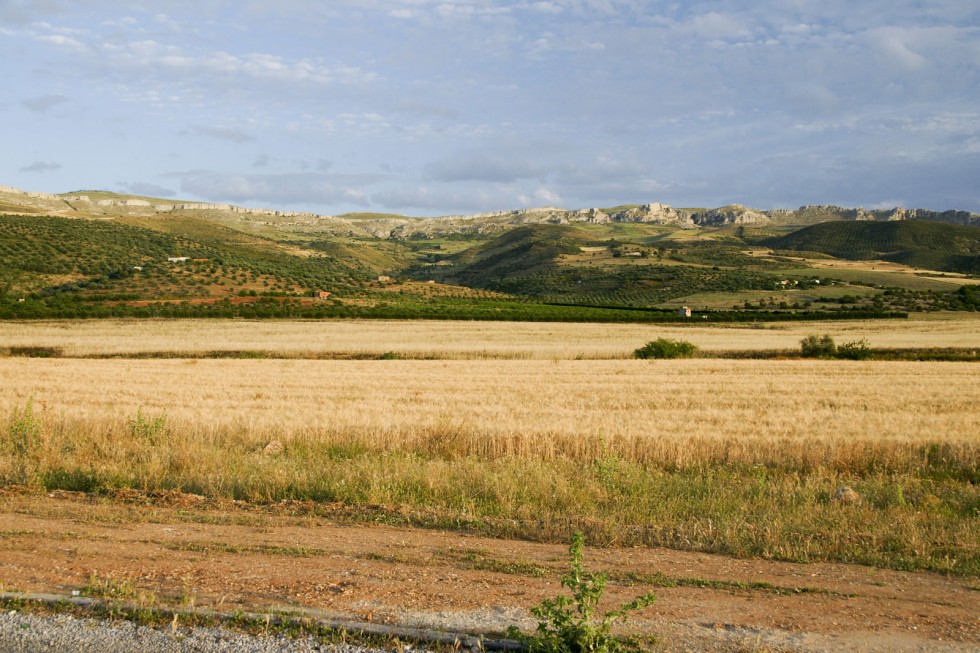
pixel 29 633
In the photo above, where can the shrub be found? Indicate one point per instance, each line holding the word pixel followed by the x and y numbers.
pixel 566 624
pixel 666 348
pixel 818 347
pixel 856 351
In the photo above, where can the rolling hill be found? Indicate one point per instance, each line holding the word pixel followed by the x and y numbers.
pixel 91 254
pixel 928 245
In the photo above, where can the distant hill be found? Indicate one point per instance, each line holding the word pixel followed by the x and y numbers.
pixel 539 262
pixel 930 245
pixel 275 223
pixel 519 252
pixel 106 258
pixel 94 253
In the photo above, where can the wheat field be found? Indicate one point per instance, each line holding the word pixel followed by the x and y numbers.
pixel 540 408
pixel 466 340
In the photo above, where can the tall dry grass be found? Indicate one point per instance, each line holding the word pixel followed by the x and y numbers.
pixel 544 409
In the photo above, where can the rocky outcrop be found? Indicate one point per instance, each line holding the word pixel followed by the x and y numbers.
pixel 812 214
pixel 726 215
pixel 124 202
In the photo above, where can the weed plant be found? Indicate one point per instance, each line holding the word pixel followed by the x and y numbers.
pixel 568 624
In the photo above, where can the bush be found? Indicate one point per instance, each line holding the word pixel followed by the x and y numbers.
pixel 818 347
pixel 666 348
pixel 856 351
pixel 566 624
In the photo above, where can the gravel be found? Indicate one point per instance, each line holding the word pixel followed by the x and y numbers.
pixel 27 633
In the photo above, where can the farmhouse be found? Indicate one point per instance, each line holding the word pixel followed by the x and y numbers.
pixel 321 294
pixel 384 278
pixel 178 259
pixel 685 311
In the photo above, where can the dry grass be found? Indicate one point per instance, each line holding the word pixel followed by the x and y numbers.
pixel 465 340
pixel 539 408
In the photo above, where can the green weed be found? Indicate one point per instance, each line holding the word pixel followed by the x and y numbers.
pixel 152 431
pixel 567 624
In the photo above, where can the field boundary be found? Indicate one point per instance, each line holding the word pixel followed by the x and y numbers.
pixel 957 354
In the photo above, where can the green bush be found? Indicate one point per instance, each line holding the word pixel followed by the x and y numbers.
pixel 566 624
pixel 856 351
pixel 666 348
pixel 818 347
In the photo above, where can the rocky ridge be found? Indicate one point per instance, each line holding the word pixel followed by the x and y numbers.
pixel 399 227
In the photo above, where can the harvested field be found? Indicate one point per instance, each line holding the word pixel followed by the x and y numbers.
pixel 447 340
pixel 521 407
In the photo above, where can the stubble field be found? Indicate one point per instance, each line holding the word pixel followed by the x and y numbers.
pixel 462 340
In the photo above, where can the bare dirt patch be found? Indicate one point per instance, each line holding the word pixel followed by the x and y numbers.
pixel 189 550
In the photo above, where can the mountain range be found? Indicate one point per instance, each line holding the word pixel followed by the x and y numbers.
pixel 103 204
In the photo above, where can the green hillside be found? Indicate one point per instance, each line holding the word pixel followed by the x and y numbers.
pixel 124 265
pixel 517 253
pixel 101 258
pixel 538 262
pixel 931 245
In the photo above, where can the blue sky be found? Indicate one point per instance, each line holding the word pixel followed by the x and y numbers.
pixel 434 107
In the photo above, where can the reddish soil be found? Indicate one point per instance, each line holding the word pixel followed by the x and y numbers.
pixel 228 556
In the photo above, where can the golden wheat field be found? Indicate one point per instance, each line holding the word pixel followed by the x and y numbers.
pixel 455 339
pixel 518 406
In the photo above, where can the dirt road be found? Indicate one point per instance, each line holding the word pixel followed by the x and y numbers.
pixel 186 550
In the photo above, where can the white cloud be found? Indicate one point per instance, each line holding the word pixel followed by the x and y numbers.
pixel 714 25
pixel 539 197
pixel 41 166
pixel 894 44
pixel 546 7
pixel 157 59
pixel 63 41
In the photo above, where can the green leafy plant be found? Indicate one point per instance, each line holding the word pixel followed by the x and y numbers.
pixel 24 431
pixel 858 350
pixel 567 623
pixel 150 430
pixel 667 348
pixel 818 347
pixel 24 440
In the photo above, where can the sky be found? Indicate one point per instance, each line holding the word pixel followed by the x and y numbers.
pixel 440 107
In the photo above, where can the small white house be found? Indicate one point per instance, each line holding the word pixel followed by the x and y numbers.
pixel 685 311
pixel 178 259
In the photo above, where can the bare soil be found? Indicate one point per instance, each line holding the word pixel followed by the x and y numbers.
pixel 186 550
